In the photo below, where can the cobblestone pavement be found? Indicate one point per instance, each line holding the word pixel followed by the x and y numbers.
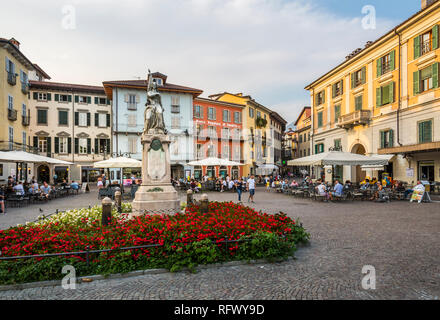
pixel 401 240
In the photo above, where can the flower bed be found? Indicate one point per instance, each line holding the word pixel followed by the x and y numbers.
pixel 185 240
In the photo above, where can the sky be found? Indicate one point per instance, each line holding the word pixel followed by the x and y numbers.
pixel 269 49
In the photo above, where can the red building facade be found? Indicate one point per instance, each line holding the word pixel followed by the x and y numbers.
pixel 218 133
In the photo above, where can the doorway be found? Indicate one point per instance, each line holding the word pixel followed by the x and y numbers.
pixel 43 174
pixel 358 174
pixel 426 170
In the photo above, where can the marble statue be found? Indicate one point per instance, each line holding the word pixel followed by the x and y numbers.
pixel 154 122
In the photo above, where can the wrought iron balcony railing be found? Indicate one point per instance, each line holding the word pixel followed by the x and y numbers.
pixel 12 78
pixel 12 114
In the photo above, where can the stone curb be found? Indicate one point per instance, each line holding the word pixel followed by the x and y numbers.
pixel 55 283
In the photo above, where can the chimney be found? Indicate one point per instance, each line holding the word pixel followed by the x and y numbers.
pixel 427 3
pixel 15 43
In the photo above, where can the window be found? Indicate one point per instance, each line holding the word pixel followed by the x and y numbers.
pixel 131 102
pixel 41 116
pixel 337 143
pixel 63 118
pixel 132 144
pixel 386 139
pixel 102 120
pixel 237 117
pixel 82 119
pixel 386 64
pixel 258 114
pixel 23 110
pixel 62 147
pixel 337 89
pixel 225 133
pixel 211 150
pixel 42 144
pixel 10 102
pixel 24 139
pixel 175 104
pixel 426 42
pixel 199 153
pixel 64 98
pixel 225 151
pixel 211 114
pixel 337 113
pixel 11 137
pixel 101 101
pixel 42 96
pixel 175 122
pixel 226 116
pixel 82 143
pixel 131 120
pixel 251 113
pixel 320 98
pixel 358 77
pixel 198 112
pixel 158 81
pixel 385 95
pixel 358 102
pixel 212 132
pixel 300 138
pixel 83 99
pixel 319 148
pixel 426 79
pixel 199 129
pixel 425 131
pixel 236 135
pixel 320 119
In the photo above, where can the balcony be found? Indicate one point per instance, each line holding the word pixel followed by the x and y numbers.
pixel 360 117
pixel 24 88
pixel 12 114
pixel 12 78
pixel 25 120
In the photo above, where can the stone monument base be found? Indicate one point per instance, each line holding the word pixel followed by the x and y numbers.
pixel 151 198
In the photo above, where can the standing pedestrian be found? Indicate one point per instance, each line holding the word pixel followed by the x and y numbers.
pixel 239 187
pixel 251 187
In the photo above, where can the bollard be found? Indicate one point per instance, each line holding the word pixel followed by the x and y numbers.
pixel 189 197
pixel 106 211
pixel 118 200
pixel 204 203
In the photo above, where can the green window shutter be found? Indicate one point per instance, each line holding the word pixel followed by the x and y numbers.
pixel 57 145
pixel 427 134
pixel 96 146
pixel 382 139
pixel 96 119
pixel 353 85
pixel 435 75
pixel 323 96
pixel 76 145
pixel 35 142
pixel 89 100
pixel 96 100
pixel 391 88
pixel 421 126
pixel 69 145
pixel 379 67
pixel 107 144
pixel 108 119
pixel 435 37
pixel 342 87
pixel 76 120
pixel 35 95
pixel 417 47
pixel 76 99
pixel 108 101
pixel 364 74
pixel 333 91
pixel 69 98
pixel 393 60
pixel 49 146
pixel 416 82
pixel 378 97
pixel 49 97
pixel 391 142
pixel 88 119
pixel 358 103
pixel 89 146
pixel 319 119
pixel 57 97
pixel 316 149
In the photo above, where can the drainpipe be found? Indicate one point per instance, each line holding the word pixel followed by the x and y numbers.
pixel 398 86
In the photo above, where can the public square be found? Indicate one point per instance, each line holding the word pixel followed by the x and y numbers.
pixel 400 240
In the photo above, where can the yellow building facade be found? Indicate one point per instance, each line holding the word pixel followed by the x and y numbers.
pixel 384 100
pixel 256 131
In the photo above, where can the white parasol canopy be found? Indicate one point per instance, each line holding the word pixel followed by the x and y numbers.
pixel 22 156
pixel 121 162
pixel 214 162
pixel 337 158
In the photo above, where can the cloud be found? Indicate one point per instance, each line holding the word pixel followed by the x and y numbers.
pixel 269 49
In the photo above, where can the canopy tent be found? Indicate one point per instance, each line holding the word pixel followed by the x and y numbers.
pixel 337 158
pixel 387 157
pixel 22 156
pixel 214 162
pixel 121 162
pixel 266 168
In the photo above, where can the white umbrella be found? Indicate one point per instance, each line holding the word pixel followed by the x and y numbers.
pixel 214 162
pixel 121 162
pixel 21 156
pixel 337 158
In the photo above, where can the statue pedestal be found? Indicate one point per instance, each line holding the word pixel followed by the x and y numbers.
pixel 156 194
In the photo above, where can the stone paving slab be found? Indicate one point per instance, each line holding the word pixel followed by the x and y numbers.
pixel 401 240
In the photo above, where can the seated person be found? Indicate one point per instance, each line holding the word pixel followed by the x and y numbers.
pixel 321 189
pixel 294 184
pixel 64 183
pixel 45 190
pixel 419 187
pixel 338 190
pixel 19 190
pixel 365 185
pixel 74 185
pixel 231 184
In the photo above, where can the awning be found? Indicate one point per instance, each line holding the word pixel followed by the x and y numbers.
pixel 121 162
pixel 337 158
pixel 374 168
pixel 21 156
pixel 214 162
pixel 388 157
